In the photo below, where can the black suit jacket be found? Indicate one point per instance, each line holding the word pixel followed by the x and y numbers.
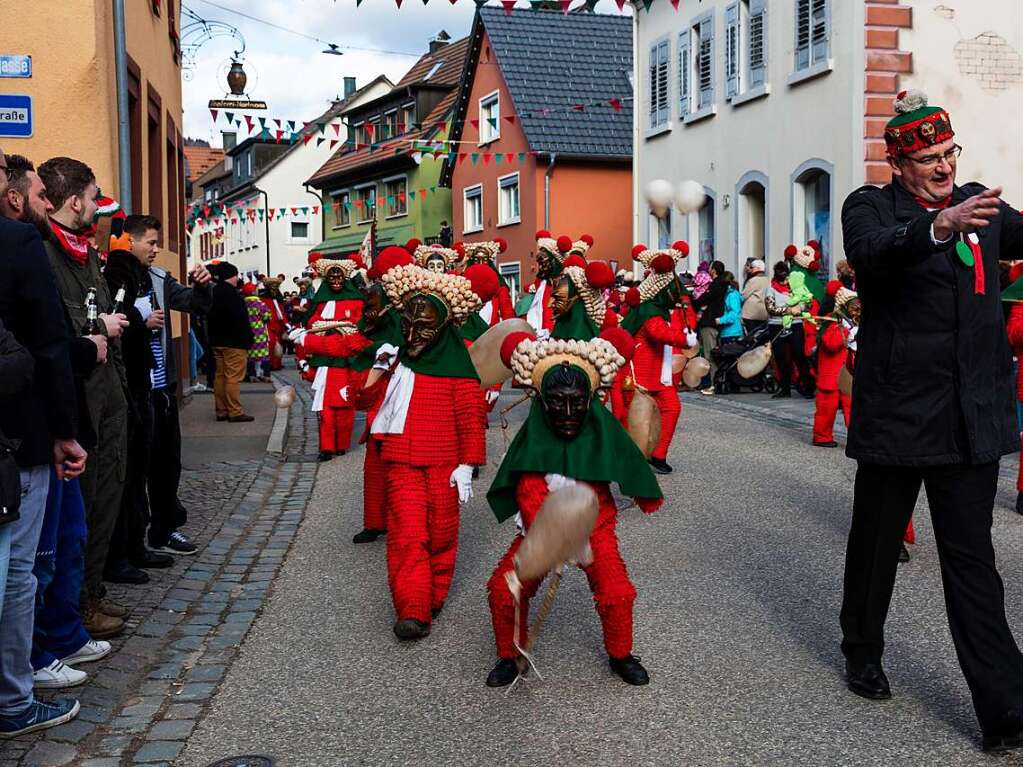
pixel 933 378
pixel 32 311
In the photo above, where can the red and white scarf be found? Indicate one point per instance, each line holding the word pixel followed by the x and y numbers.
pixel 74 245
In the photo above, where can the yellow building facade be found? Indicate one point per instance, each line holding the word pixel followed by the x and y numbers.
pixel 74 100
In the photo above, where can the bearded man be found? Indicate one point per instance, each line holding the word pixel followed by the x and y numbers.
pixel 932 406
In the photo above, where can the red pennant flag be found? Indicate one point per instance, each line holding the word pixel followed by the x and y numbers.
pixel 294 211
pixel 615 104
pixel 369 128
pixel 398 2
pixel 486 158
pixel 422 194
pixel 564 6
pixel 279 134
pixel 316 210
pixel 674 4
pixel 509 6
pixel 621 5
pixel 272 210
pixel 333 143
pixel 578 107
pixel 248 122
pixel 510 157
pixel 475 124
pixel 214 112
pixel 337 128
pixel 307 138
pixel 510 119
pixel 461 157
pixel 441 126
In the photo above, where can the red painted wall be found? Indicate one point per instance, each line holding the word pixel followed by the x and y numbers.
pixel 593 198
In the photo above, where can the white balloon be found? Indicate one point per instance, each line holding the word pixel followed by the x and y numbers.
pixel 658 196
pixel 690 196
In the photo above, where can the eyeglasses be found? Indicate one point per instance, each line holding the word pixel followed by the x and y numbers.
pixel 933 160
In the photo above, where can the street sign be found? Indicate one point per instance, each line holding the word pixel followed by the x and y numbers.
pixel 15 65
pixel 15 116
pixel 236 104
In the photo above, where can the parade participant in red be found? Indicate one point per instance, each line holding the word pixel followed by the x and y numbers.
pixel 337 303
pixel 832 355
pixel 568 438
pixel 550 260
pixel 430 427
pixel 649 322
pixel 278 324
pixel 577 301
pixel 1014 294
pixel 499 307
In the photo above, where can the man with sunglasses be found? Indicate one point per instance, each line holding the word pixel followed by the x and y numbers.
pixel 932 406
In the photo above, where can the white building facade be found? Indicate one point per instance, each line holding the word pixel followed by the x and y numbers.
pixel 777 107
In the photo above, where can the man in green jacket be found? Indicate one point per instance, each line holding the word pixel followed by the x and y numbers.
pixel 71 187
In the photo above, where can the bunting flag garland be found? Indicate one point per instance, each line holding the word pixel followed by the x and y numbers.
pixel 538 5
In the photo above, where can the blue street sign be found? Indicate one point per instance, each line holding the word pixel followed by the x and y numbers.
pixel 15 65
pixel 15 116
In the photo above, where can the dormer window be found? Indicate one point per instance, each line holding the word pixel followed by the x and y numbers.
pixel 490 118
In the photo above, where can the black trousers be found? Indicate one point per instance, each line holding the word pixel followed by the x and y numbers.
pixel 961 500
pixel 128 541
pixel 166 512
pixel 790 350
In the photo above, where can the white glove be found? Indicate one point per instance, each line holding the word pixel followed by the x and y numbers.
pixel 386 355
pixel 303 366
pixel 691 340
pixel 492 397
pixel 296 335
pixel 462 479
pixel 558 482
pixel 543 334
pixel 344 393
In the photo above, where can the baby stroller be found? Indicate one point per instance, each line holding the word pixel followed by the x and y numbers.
pixel 727 379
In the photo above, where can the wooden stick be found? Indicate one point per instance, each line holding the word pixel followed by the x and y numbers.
pixel 545 609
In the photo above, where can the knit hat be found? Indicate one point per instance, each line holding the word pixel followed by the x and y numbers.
pixel 223 270
pixel 916 125
pixel 804 256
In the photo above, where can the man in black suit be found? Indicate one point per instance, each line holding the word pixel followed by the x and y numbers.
pixel 932 406
pixel 45 421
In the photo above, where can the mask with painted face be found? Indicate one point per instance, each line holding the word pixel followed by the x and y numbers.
pixel 374 304
pixel 565 399
pixel 562 298
pixel 436 264
pixel 547 266
pixel 335 280
pixel 422 321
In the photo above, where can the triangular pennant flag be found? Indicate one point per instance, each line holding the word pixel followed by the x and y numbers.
pixel 316 210
pixel 536 5
pixel 461 157
pixel 615 104
pixel 486 158
pixel 260 211
pixel 493 122
pixel 305 210
pixel 441 126
pixel 230 116
pixel 578 107
pixel 279 122
pixel 333 142
pixel 249 123
pixel 214 112
pixel 308 137
pixel 337 128
pixel 497 159
pixel 291 125
pixel 510 119
pixel 475 157
pixel 279 134
pixel 621 4
pixel 398 3
pixel 475 123
pixel 510 157
pixel 433 189
pixel 238 123
pixel 262 122
pixel 369 128
pixel 564 5
pixel 321 126
pixel 674 4
pixel 509 6
pixel 647 4
pixel 294 211
pixel 522 156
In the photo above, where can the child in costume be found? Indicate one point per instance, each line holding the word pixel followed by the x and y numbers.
pixel 430 429
pixel 649 322
pixel 278 324
pixel 832 356
pixel 569 437
pixel 259 317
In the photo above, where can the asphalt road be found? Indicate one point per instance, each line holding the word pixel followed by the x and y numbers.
pixel 739 580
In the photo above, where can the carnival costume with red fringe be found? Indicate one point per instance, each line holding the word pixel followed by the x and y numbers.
pixel 539 461
pixel 832 356
pixel 649 321
pixel 330 355
pixel 539 314
pixel 430 422
pixel 278 324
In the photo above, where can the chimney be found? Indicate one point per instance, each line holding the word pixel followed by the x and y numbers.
pixel 441 40
pixel 350 87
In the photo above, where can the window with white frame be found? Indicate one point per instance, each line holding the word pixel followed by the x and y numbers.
pixel 342 205
pixel 508 199
pixel 755 44
pixel 813 33
pixel 706 230
pixel 365 203
pixel 702 51
pixel 299 230
pixel 658 74
pixel 811 203
pixel 408 117
pixel 395 190
pixel 473 217
pixel 389 125
pixel 490 118
pixel 513 276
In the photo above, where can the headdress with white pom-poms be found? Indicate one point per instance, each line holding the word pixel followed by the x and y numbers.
pixel 455 292
pixel 590 282
pixel 532 358
pixel 661 263
pixel 424 253
pixel 346 266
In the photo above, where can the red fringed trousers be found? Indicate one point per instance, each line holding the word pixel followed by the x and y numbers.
pixel 336 429
pixel 828 403
pixel 374 496
pixel 613 592
pixel 422 537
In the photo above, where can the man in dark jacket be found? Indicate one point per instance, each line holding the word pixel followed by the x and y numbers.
pixel 932 406
pixel 712 304
pixel 230 335
pixel 44 420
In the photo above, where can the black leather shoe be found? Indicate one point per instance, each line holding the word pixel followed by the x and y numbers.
pixel 868 681
pixel 367 536
pixel 503 674
pixel 124 572
pixel 1019 503
pixel 825 444
pixel 782 394
pixel 411 629
pixel 903 554
pixel 325 455
pixel 152 560
pixel 660 466
pixel 630 670
pixel 1006 735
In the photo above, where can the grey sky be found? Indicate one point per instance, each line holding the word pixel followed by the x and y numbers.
pixel 290 73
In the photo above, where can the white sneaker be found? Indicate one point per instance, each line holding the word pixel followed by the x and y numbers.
pixel 57 676
pixel 92 650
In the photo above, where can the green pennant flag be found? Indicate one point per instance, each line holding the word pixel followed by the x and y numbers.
pixel 262 123
pixel 475 157
pixel 497 159
pixel 433 189
pixel 493 122
pixel 304 210
pixel 522 156
pixel 647 4
pixel 260 212
pixel 230 116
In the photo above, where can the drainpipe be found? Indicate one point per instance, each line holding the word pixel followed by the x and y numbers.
pixel 123 122
pixel 266 221
pixel 547 192
pixel 635 133
pixel 323 212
